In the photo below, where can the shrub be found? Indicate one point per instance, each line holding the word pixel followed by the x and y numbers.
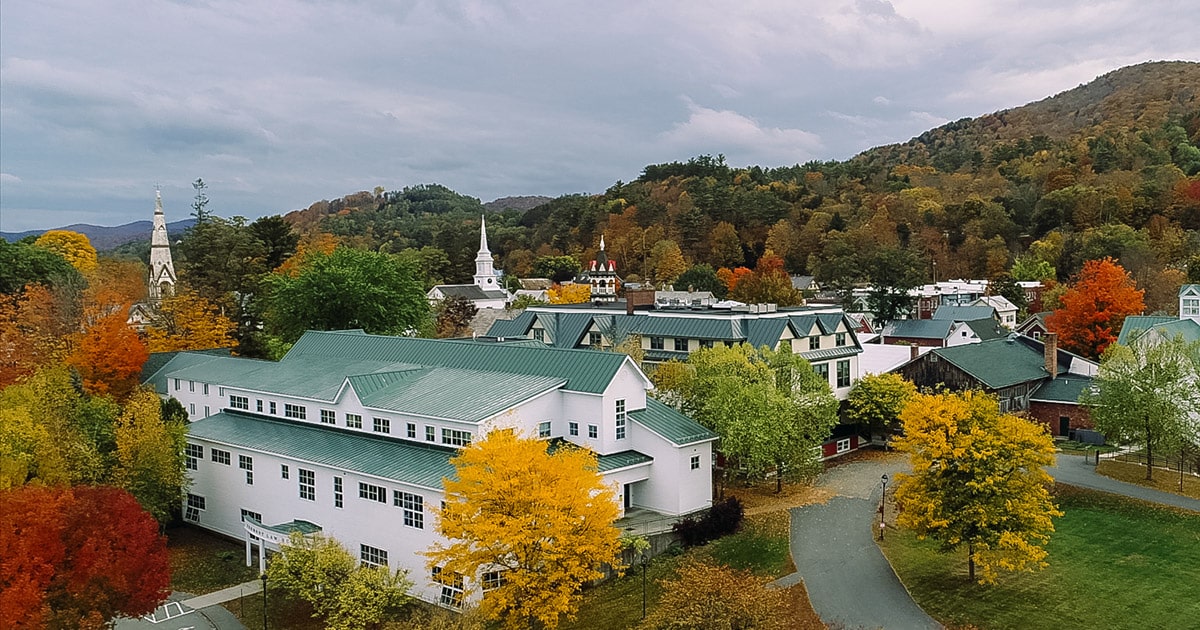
pixel 722 519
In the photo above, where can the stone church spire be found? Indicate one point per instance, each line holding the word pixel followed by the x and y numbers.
pixel 485 272
pixel 162 270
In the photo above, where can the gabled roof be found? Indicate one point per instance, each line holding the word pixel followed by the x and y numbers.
pixel 1036 318
pixel 1135 325
pixel 987 329
pixel 566 329
pixel 801 283
pixel 469 291
pixel 463 395
pixel 964 313
pixel 397 460
pixel 516 327
pixel 316 380
pixel 999 302
pixel 584 370
pixel 1064 389
pixel 765 332
pixel 677 428
pixel 997 364
pixel 1189 289
pixel 721 329
pixel 179 360
pixel 919 328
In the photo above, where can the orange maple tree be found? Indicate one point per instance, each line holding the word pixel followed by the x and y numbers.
pixel 109 355
pixel 187 321
pixel 732 277
pixel 76 557
pixel 34 330
pixel 1092 310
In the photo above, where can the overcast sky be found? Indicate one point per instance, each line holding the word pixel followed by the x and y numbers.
pixel 280 103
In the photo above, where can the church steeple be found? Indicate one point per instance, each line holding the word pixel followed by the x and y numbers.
pixel 602 275
pixel 162 270
pixel 485 272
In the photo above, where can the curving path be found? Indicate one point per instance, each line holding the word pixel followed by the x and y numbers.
pixel 848 579
pixel 1074 470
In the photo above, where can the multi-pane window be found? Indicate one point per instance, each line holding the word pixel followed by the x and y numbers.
pixel 195 504
pixel 299 412
pixel 656 343
pixel 544 429
pixel 492 579
pixel 191 386
pixel 176 384
pixel 814 342
pixel 239 402
pixel 328 416
pixel 594 339
pixel 843 445
pixel 593 431
pixel 191 409
pixel 206 389
pixel 372 556
pixel 194 453
pixel 681 345
pixel 539 334
pixel 247 464
pixel 430 434
pixel 207 413
pixel 353 421
pixel 573 428
pixel 381 425
pixel 1190 307
pixel 621 419
pixel 695 462
pixel 258 405
pixel 706 343
pixel 452 587
pixel 411 431
pixel 843 373
pixel 283 471
pixel 337 492
pixel 839 339
pixel 247 515
pixel 413 506
pixel 272 408
pixel 372 493
pixel 455 438
pixel 308 484
pixel 221 457
pixel 822 370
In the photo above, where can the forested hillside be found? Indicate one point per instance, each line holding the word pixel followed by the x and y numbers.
pixel 1111 168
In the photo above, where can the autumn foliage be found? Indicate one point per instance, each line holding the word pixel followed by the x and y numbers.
pixel 77 557
pixel 710 596
pixel 109 356
pixel 72 246
pixel 1094 308
pixel 569 293
pixel 186 321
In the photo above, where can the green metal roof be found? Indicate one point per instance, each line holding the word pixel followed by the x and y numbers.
pixel 566 329
pixel 679 429
pixel 318 380
pixel 304 527
pixel 465 395
pixel 964 313
pixel 178 361
pixel 998 363
pixel 583 370
pixel 825 354
pixel 987 329
pixel 397 460
pixel 624 459
pixel 690 327
pixel 516 327
pixel 765 331
pixel 919 328
pixel 1064 389
pixel 1135 325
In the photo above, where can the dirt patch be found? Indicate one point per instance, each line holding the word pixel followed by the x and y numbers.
pixel 800 613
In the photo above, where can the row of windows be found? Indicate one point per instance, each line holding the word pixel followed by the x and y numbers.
pixel 378 425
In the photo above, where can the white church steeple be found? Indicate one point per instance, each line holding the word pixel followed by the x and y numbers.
pixel 162 270
pixel 485 272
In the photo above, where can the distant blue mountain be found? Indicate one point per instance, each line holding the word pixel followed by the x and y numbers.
pixel 105 238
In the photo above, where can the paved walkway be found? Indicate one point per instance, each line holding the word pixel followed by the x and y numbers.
pixel 185 612
pixel 224 595
pixel 1075 470
pixel 848 579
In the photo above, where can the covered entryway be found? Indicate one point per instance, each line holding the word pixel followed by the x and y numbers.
pixel 271 537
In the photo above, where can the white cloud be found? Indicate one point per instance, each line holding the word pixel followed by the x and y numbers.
pixel 741 138
pixel 881 100
pixel 9 178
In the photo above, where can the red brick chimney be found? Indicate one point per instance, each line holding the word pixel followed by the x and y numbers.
pixel 1050 341
pixel 914 351
pixel 634 299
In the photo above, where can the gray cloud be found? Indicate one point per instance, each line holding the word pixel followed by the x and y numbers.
pixel 279 103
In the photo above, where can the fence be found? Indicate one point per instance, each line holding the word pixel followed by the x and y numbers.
pixel 1190 461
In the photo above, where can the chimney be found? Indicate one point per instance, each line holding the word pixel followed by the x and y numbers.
pixel 1050 341
pixel 634 299
pixel 914 351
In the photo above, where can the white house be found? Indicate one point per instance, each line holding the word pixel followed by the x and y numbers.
pixel 1006 311
pixel 351 434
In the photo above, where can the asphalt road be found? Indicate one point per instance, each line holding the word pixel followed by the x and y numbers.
pixel 1076 471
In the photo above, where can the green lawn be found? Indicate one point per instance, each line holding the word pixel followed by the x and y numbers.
pixel 1114 563
pixel 202 562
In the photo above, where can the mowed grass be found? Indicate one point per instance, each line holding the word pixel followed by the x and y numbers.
pixel 1114 563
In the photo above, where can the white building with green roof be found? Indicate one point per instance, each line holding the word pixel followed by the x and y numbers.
pixel 351 434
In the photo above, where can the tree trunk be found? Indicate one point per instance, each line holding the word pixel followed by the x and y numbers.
pixel 971 562
pixel 778 477
pixel 1149 456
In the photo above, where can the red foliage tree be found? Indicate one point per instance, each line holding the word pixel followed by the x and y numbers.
pixel 109 356
pixel 77 557
pixel 1095 307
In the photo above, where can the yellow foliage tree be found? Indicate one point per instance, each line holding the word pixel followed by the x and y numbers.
pixel 150 460
pixel 187 321
pixel 542 519
pixel 713 597
pixel 73 246
pixel 977 480
pixel 569 293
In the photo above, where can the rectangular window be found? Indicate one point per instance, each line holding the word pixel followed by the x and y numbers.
pixel 337 492
pixel 206 389
pixel 455 438
pixel 239 402
pixel 251 516
pixel 843 373
pixel 706 343
pixel 328 416
pixel 381 425
pixel 283 471
pixel 207 413
pixel 191 409
pixel 176 384
pixel 194 453
pixel 353 421
pixel 411 431
pixel 191 386
pixel 413 506
pixel 430 434
pixel 593 431
pixel 814 342
pixel 1190 307
pixel 372 493
pixel 594 339
pixel 308 484
pixel 452 587
pixel 843 445
pixel 573 428
pixel 372 556
pixel 839 339
pixel 221 392
pixel 681 345
pixel 544 429
pixel 195 504
pixel 621 419
pixel 272 408
pixel 299 412
pixel 656 343
pixel 539 334
pixel 492 580
pixel 695 462
pixel 247 464
pixel 258 405
pixel 221 457
pixel 822 370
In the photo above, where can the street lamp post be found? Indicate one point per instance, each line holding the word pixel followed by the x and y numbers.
pixel 264 581
pixel 882 503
